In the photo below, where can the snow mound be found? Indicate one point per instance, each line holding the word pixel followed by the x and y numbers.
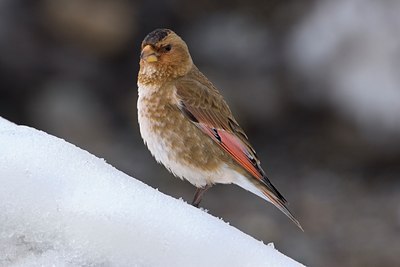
pixel 62 206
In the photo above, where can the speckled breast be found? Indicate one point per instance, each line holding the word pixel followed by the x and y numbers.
pixel 173 140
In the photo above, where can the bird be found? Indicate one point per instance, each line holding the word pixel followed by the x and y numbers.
pixel 188 127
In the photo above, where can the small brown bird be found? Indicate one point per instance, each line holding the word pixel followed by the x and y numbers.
pixel 189 128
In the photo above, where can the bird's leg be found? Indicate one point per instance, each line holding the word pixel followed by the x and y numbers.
pixel 199 195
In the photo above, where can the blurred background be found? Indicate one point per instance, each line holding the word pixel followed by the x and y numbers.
pixel 315 84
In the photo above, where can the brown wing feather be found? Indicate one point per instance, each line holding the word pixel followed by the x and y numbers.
pixel 204 105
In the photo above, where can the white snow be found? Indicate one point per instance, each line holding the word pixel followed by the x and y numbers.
pixel 62 206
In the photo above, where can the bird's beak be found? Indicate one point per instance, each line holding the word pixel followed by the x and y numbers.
pixel 148 54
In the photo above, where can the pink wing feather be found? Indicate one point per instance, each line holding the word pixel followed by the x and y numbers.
pixel 205 107
pixel 235 147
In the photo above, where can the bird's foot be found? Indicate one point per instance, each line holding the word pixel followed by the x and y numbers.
pixel 198 195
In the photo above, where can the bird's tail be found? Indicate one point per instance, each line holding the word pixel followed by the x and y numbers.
pixel 265 190
pixel 280 203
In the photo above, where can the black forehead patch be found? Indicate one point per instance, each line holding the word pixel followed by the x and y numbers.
pixel 156 36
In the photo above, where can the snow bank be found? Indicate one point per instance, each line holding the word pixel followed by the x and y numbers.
pixel 61 206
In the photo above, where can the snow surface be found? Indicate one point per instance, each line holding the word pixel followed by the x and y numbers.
pixel 62 206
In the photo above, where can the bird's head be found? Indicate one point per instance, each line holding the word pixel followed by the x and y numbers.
pixel 164 55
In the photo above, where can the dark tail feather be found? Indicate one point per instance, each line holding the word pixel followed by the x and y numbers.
pixel 281 204
pixel 272 188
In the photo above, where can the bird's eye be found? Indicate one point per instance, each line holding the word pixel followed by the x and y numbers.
pixel 167 48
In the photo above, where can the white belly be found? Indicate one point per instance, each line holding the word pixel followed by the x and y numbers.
pixel 165 153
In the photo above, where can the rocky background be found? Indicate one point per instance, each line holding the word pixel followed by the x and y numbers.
pixel 315 84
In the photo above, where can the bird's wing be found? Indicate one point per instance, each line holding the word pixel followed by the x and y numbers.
pixel 206 108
